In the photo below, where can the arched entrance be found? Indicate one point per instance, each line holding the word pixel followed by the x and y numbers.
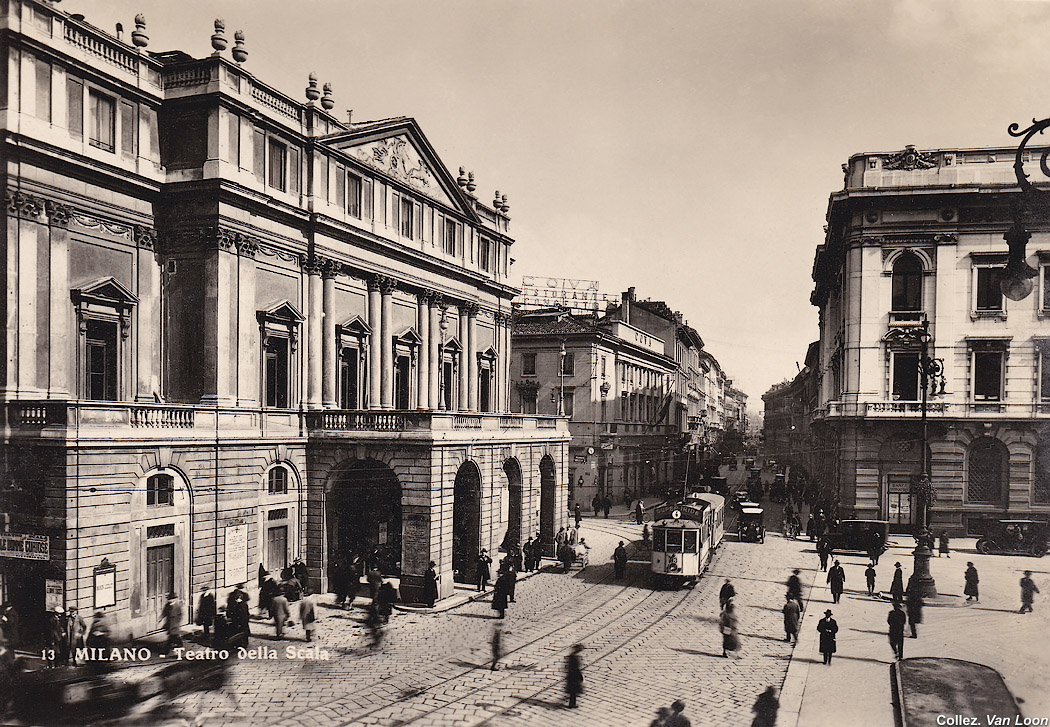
pixel 548 481
pixel 513 472
pixel 466 521
pixel 364 516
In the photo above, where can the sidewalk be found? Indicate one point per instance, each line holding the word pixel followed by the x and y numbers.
pixel 856 688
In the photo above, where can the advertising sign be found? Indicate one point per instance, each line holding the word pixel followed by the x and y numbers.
pixel 26 547
pixel 54 594
pixel 236 554
pixel 105 585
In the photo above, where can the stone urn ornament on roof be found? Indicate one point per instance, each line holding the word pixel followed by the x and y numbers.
pixel 240 53
pixel 218 40
pixel 138 35
pixel 312 91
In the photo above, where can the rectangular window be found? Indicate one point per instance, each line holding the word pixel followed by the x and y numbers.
pixel 277 165
pixel 987 375
pixel 1044 374
pixel 101 361
pixel 989 296
pixel 127 129
pixel 1046 287
pixel 674 540
pixel 906 376
pixel 233 143
pixel 353 195
pixel 275 357
pixel 569 403
pixel 293 170
pixel 259 155
pixel 103 121
pixel 348 379
pixel 603 366
pixel 485 254
pixel 568 364
pixel 277 482
pixel 43 90
pixel 75 106
pixel 340 187
pixel 160 490
pixel 161 531
pixel 450 237
pixel 366 198
pixel 485 389
pixel 528 364
pixel 322 179
pixel 402 382
pixel 280 513
pixel 149 119
pixel 528 402
pixel 408 226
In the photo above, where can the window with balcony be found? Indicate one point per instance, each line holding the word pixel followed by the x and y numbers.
pixel 905 376
pixel 275 368
pixel 528 364
pixel 101 364
pixel 907 284
pixel 988 297
pixel 988 375
pixel 279 329
pixel 987 466
pixel 103 310
pixel 103 121
pixel 277 481
pixel 160 490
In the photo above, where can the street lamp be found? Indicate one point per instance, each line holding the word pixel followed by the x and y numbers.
pixel 443 325
pixel 1016 280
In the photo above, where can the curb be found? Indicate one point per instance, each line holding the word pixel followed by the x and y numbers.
pixel 793 689
pixel 460 599
pixel 897 692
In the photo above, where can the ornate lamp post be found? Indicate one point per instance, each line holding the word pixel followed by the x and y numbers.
pixel 1016 282
pixel 931 382
pixel 443 325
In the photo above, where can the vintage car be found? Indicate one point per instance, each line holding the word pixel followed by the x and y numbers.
pixel 750 524
pixel 856 535
pixel 1016 537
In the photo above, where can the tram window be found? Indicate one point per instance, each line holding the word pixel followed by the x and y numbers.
pixel 674 541
pixel 658 540
pixel 690 541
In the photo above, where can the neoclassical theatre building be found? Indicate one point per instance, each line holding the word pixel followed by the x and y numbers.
pixel 240 330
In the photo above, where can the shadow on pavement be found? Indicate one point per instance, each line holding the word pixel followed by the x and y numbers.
pixel 477 615
pixel 694 652
pixel 543 703
pixel 760 636
pixel 869 631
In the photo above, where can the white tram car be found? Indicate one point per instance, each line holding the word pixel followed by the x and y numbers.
pixel 685 535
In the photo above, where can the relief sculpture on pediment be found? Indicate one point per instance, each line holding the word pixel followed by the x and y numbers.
pixel 398 157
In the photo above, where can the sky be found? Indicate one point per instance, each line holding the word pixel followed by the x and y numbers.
pixel 687 149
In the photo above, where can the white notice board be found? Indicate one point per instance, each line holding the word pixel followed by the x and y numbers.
pixel 236 554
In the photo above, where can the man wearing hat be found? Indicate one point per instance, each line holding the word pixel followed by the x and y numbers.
pixel 1028 591
pixel 57 638
pixel 827 629
pixel 172 614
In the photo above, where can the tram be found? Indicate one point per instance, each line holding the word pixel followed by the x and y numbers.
pixel 685 535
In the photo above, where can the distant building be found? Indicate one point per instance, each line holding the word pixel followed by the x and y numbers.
pixel 916 235
pixel 240 330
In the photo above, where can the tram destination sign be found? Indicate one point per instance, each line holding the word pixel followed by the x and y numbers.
pixel 25 547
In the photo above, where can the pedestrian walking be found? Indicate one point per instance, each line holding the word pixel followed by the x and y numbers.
pixel 823 551
pixel 497 646
pixel 375 580
pixel 913 604
pixel 577 512
pixel 639 510
pixel 627 498
pixel 811 527
pixel 827 627
pixel 942 545
pixel 620 560
pixel 308 614
pixel 896 621
pixel 1028 591
pixel 573 675
pixel 869 576
pixel 430 585
pixel 661 717
pixel 355 569
pixel 205 611
pixel 237 611
pixel 76 631
pixel 596 505
pixel 509 573
pixel 971 590
pixel 607 506
pixel 677 716
pixel 727 624
pixel 794 589
pixel 765 709
pixel 566 555
pixel 897 586
pixel 499 596
pixel 725 593
pixel 385 599
pixel 875 547
pixel 481 570
pixel 791 618
pixel 526 556
pixel 301 573
pixel 98 632
pixel 172 615
pixel 270 588
pixel 279 611
pixel 374 622
pixel 837 580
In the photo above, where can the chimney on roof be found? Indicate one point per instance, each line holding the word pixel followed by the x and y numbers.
pixel 626 298
pixel 678 317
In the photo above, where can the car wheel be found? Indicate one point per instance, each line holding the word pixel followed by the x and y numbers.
pixel 1039 550
pixel 983 546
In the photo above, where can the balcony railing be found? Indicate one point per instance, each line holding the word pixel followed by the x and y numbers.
pixel 371 421
pixel 934 409
pixel 162 417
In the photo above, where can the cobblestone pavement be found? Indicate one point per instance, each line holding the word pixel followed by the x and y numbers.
pixel 643 649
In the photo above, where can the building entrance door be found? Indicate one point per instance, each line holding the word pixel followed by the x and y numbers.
pixel 276 548
pixel 900 502
pixel 160 580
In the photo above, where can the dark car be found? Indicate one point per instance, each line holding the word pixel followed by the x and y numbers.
pixel 856 535
pixel 1015 537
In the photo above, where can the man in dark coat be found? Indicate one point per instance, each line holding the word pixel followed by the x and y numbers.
pixel 301 572
pixel 385 599
pixel 639 510
pixel 57 638
pixel 607 506
pixel 971 590
pixel 270 588
pixel 481 571
pixel 529 549
pixel 237 611
pixel 1028 591
pixel 499 596
pixel 897 587
pixel 279 611
pixel 375 580
pixel 596 505
pixel 794 586
pixel 811 527
pixel 837 580
pixel 573 675
pixel 308 614
pixel 509 574
pixel 205 611
pixel 566 555
pixel 896 621
pixel 827 627
pixel 869 576
pixel 354 571
pixel 172 615
pixel 430 585
pixel 620 560
pixel 913 604
pixel 942 545
pixel 725 593
pixel 823 551
pixel 791 618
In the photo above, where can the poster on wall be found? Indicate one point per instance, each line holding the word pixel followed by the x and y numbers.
pixel 236 554
pixel 54 594
pixel 105 585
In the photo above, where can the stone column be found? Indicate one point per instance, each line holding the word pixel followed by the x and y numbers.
pixel 314 313
pixel 147 318
pixel 61 383
pixel 472 357
pixel 248 344
pixel 433 344
pixel 423 358
pixel 386 344
pixel 374 362
pixel 328 342
pixel 464 354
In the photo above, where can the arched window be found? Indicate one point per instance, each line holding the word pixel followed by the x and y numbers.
pixel 987 472
pixel 1041 488
pixel 160 490
pixel 907 283
pixel 278 481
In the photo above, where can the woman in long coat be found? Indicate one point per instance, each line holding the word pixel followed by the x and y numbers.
pixel 499 596
pixel 430 585
pixel 727 623
pixel 913 605
pixel 791 618
pixel 971 590
pixel 897 587
pixel 827 628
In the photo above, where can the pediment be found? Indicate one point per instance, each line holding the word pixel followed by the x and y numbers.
pixel 453 345
pixel 409 336
pixel 282 310
pixel 398 149
pixel 489 353
pixel 356 325
pixel 107 291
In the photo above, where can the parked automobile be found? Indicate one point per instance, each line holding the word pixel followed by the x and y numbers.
pixel 856 535
pixel 1016 537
